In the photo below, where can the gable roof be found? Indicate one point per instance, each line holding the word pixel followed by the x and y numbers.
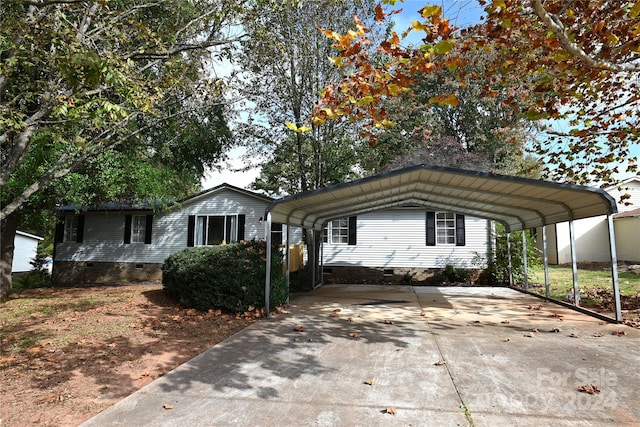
pixel 152 205
pixel 518 203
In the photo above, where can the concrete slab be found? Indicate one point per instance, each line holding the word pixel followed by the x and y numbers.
pixel 344 354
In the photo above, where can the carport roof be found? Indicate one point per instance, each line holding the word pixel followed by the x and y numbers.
pixel 518 203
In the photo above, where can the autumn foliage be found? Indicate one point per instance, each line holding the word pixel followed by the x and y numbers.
pixel 573 63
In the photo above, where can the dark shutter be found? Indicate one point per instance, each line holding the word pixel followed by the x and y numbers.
pixel 353 226
pixel 80 233
pixel 276 234
pixel 241 221
pixel 191 228
pixel 460 237
pixel 148 228
pixel 60 231
pixel 431 228
pixel 127 229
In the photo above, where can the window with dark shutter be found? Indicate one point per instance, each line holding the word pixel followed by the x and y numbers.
pixel 431 229
pixel 460 232
pixel 80 232
pixel 127 229
pixel 241 221
pixel 191 228
pixel 148 230
pixel 353 230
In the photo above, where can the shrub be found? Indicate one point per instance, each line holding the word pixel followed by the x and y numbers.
pixel 230 277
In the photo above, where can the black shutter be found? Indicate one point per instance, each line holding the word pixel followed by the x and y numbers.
pixel 353 230
pixel 191 227
pixel 241 222
pixel 460 237
pixel 80 233
pixel 60 231
pixel 431 228
pixel 127 229
pixel 276 234
pixel 148 228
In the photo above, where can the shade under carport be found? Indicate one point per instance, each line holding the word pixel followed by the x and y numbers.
pixel 518 203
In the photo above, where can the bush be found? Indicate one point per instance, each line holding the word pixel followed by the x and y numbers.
pixel 230 277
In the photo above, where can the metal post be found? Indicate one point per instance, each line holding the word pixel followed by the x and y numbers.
pixel 267 285
pixel 545 257
pixel 574 264
pixel 287 261
pixel 614 268
pixel 524 260
pixel 312 258
pixel 321 258
pixel 509 258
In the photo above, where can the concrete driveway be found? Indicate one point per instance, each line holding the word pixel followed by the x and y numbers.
pixel 409 356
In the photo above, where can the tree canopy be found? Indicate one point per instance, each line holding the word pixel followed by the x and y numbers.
pixel 581 60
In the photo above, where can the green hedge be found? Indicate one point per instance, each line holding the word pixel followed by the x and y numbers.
pixel 230 277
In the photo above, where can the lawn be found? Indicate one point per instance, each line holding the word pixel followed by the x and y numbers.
pixel 595 284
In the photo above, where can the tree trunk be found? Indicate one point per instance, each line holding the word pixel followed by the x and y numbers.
pixel 8 228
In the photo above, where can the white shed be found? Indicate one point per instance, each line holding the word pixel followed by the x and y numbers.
pixel 26 249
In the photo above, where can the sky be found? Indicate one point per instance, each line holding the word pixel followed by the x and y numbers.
pixel 461 12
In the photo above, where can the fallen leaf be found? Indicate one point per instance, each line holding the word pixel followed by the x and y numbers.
pixel 573 335
pixel 556 330
pixel 388 322
pixel 560 316
pixel 535 330
pixel 349 319
pixel 167 406
pixel 506 322
pixel 618 333
pixel 355 335
pixel 369 381
pixel 391 410
pixel 440 362
pixel 530 335
pixel 598 334
pixel 423 314
pixel 299 329
pixel 399 348
pixel 589 388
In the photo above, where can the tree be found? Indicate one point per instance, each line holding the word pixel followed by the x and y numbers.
pixel 84 91
pixel 581 60
pixel 285 58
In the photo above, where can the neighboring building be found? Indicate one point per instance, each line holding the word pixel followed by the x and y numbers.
pixel 25 250
pixel 592 234
pixel 114 242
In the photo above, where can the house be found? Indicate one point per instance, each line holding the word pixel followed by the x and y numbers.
pixel 591 234
pixel 25 250
pixel 120 242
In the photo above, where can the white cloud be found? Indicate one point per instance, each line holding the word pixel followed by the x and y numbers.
pixel 227 174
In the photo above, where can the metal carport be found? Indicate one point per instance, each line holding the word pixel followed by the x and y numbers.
pixel 518 203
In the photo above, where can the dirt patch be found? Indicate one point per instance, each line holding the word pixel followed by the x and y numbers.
pixel 67 354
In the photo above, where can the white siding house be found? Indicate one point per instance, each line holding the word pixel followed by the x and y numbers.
pixel 115 242
pixel 592 234
pixel 25 250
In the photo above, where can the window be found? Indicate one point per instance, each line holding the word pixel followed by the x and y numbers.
pixel 138 228
pixel 341 231
pixel 71 228
pixel 445 228
pixel 212 230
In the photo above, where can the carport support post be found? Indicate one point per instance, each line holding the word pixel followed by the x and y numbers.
pixel 524 260
pixel 267 281
pixel 614 268
pixel 574 264
pixel 287 261
pixel 509 258
pixel 312 257
pixel 545 258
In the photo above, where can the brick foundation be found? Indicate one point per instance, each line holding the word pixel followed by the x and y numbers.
pixel 71 273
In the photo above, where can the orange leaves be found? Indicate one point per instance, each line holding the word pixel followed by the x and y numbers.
pixel 589 389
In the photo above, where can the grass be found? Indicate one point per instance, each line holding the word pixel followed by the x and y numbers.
pixel 589 281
